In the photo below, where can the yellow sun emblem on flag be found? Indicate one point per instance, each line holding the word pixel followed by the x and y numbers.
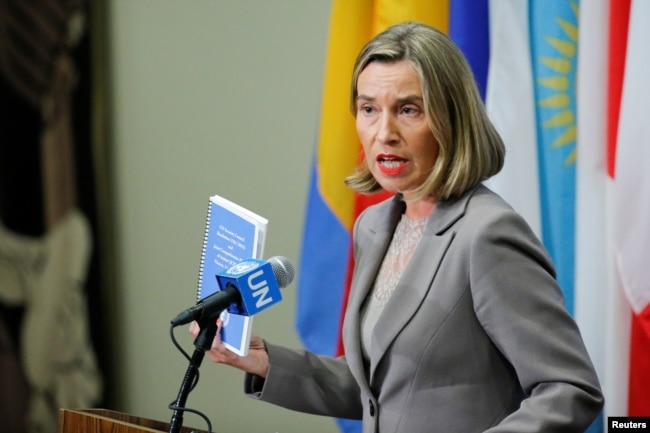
pixel 561 101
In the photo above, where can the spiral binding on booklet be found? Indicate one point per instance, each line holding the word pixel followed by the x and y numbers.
pixel 203 253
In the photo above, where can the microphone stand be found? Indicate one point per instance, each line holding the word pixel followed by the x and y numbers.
pixel 202 343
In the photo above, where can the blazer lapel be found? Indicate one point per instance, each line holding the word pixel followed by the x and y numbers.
pixel 380 231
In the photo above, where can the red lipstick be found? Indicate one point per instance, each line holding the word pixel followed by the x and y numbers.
pixel 391 164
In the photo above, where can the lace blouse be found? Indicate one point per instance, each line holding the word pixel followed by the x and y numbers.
pixel 405 239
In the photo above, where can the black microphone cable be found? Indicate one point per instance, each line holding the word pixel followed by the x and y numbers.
pixel 174 404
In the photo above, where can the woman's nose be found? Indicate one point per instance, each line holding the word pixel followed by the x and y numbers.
pixel 387 129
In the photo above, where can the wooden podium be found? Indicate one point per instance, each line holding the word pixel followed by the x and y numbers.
pixel 108 421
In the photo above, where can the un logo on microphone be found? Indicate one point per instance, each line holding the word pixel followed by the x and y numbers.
pixel 242 267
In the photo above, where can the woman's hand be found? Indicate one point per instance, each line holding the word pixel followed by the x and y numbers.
pixel 256 362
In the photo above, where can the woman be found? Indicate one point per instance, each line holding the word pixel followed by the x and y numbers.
pixel 455 322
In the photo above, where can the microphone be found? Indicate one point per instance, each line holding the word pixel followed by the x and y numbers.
pixel 248 287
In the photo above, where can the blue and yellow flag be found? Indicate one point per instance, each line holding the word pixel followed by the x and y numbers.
pixel 554 40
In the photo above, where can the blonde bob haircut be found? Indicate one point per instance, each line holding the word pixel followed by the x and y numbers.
pixel 470 148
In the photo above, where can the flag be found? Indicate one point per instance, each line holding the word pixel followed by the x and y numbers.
pixel 469 29
pixel 510 106
pixel 617 337
pixel 631 207
pixel 591 269
pixel 553 30
pixel 590 290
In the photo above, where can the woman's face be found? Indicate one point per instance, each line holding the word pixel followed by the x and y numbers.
pixel 398 144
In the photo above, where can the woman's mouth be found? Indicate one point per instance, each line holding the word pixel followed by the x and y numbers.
pixel 391 165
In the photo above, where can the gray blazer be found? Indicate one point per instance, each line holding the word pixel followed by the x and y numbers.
pixel 475 337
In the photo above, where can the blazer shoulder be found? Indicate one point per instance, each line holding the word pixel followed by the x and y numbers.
pixel 479 202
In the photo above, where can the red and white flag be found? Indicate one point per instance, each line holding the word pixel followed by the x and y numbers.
pixel 630 195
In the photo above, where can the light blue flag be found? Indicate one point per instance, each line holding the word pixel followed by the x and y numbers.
pixel 554 53
pixel 554 43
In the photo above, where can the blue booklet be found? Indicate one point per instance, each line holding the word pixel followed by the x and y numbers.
pixel 232 234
